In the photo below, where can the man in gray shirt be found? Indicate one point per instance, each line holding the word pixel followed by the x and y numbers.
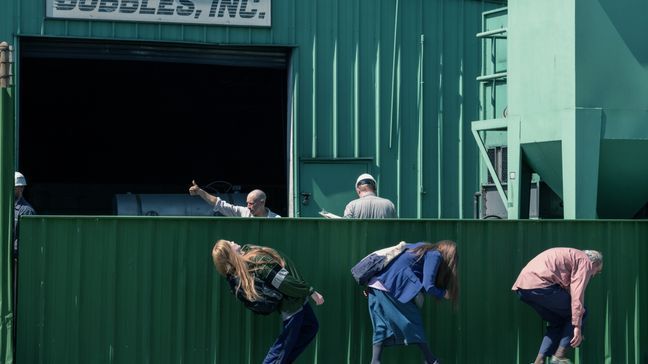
pixel 368 205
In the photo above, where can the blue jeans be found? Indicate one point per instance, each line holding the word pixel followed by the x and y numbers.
pixel 553 304
pixel 298 331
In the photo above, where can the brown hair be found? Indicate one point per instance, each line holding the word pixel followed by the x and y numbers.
pixel 447 275
pixel 230 262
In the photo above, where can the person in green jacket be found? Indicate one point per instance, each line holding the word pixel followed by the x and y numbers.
pixel 299 322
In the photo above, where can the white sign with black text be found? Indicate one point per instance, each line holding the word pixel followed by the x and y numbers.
pixel 218 12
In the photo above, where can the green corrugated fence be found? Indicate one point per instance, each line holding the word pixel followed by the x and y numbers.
pixel 6 222
pixel 143 290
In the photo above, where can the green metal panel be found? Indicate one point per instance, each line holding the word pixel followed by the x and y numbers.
pixel 611 75
pixel 397 93
pixel 331 182
pixel 7 168
pixel 143 290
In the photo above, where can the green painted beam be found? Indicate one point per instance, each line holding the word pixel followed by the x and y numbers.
pixel 6 223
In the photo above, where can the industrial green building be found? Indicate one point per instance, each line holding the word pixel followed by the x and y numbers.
pixel 142 97
pixel 113 98
pixel 461 109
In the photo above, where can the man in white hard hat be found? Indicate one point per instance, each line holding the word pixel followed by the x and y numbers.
pixel 21 206
pixel 255 203
pixel 368 205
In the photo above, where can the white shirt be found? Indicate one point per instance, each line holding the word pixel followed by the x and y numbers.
pixel 228 209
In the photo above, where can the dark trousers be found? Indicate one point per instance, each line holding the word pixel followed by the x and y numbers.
pixel 553 304
pixel 298 331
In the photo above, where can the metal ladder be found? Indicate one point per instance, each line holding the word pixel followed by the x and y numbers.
pixel 489 80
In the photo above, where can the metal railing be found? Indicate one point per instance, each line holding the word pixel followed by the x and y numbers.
pixel 489 79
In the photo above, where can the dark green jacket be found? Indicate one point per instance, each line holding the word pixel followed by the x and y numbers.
pixel 288 281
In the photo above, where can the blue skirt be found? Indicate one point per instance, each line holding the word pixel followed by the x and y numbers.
pixel 394 322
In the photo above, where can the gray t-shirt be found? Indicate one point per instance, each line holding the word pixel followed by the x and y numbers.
pixel 370 207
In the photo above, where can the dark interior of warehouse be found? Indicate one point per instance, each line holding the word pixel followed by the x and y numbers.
pixel 95 122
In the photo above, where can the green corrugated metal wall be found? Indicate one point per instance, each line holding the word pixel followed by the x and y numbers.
pixel 402 93
pixel 6 223
pixel 389 80
pixel 143 290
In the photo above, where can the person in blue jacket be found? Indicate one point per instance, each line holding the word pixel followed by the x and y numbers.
pixel 396 295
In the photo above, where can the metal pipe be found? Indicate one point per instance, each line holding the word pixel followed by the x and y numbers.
pixel 494 76
pixel 421 155
pixel 5 65
pixel 492 33
pixel 393 76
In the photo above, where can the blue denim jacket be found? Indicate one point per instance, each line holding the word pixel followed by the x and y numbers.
pixel 406 276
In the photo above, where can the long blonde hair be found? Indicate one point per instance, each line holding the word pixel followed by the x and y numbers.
pixel 447 275
pixel 230 262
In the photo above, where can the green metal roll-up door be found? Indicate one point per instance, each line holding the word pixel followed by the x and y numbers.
pixel 143 290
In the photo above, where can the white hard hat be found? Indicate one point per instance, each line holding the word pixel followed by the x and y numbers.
pixel 367 178
pixel 19 179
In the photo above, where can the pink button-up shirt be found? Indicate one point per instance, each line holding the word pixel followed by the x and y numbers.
pixel 570 268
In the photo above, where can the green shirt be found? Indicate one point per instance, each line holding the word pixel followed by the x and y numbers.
pixel 287 281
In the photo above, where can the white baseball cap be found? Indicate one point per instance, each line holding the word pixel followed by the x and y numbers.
pixel 367 178
pixel 19 179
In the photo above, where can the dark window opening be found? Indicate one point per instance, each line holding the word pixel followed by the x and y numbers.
pixel 91 128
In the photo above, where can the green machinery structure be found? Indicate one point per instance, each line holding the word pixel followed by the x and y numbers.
pixel 565 85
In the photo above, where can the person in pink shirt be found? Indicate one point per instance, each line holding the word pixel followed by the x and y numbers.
pixel 553 284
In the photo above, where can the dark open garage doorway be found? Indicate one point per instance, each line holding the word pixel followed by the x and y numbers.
pixel 98 120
